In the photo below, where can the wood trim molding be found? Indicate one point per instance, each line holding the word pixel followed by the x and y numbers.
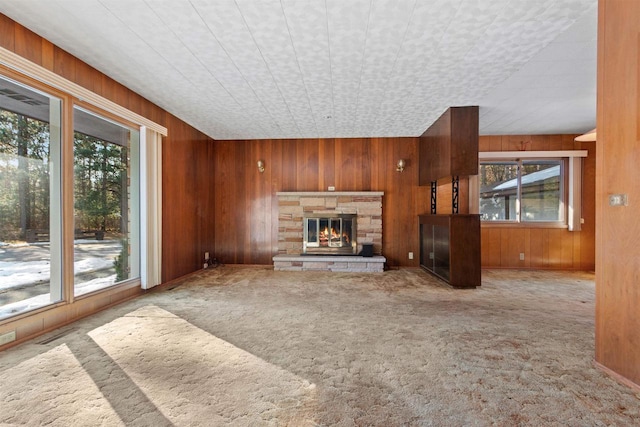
pixel 616 376
pixel 330 193
pixel 35 71
pixel 531 154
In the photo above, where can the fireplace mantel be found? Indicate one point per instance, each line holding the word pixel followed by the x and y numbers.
pixel 330 193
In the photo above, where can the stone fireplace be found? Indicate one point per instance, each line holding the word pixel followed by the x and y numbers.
pixel 326 231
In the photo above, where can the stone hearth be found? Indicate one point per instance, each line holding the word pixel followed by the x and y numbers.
pixel 348 263
pixel 292 206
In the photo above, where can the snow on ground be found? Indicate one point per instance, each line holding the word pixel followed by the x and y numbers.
pixel 94 285
pixel 26 269
pixel 44 299
pixel 15 274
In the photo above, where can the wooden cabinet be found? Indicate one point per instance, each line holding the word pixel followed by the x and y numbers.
pixel 450 146
pixel 450 248
pixel 450 243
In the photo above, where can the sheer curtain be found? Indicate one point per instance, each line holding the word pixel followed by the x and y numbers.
pixel 151 207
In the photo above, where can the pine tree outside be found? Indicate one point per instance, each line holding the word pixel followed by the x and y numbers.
pixel 105 169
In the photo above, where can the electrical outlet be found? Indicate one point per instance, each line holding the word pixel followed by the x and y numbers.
pixel 410 255
pixel 521 256
pixel 206 255
pixel 7 337
pixel 331 188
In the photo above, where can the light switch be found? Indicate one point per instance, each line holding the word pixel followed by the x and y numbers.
pixel 618 200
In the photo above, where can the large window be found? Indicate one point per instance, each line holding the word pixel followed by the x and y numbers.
pixel 30 208
pixel 106 202
pixel 71 184
pixel 522 191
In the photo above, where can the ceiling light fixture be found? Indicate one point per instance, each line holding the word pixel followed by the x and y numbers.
pixel 587 137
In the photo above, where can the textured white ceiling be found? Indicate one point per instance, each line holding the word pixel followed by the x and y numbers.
pixel 240 69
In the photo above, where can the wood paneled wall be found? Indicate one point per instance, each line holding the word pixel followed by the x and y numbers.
pixel 188 213
pixel 618 228
pixel 187 199
pixel 544 248
pixel 246 207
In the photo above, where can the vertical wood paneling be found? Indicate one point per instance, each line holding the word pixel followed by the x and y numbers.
pixel 540 143
pixel 538 241
pixel 449 146
pixel 543 248
pixel 505 256
pixel 352 165
pixel 495 143
pixel 557 248
pixel 7 33
pixel 588 232
pixel 399 198
pixel 188 206
pixel 618 124
pixel 64 64
pixel 224 185
pixel 85 77
pixel 243 169
pixel 243 213
pixel 485 245
pixel 516 142
pixel 555 142
pixel 385 176
pixel 289 164
pixel 308 167
pixel 258 190
pixel 48 50
pixel 28 44
pixel 326 174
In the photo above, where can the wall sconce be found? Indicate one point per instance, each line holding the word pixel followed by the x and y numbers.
pixel 260 166
pixel 400 165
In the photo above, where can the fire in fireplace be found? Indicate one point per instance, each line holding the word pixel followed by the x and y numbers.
pixel 330 234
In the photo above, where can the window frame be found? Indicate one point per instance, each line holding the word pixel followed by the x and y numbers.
pixel 136 252
pixel 570 180
pixel 519 163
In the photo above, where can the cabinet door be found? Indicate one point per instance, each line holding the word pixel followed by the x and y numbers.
pixel 441 244
pixel 426 246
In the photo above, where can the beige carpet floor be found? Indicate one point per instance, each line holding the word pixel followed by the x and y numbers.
pixel 247 346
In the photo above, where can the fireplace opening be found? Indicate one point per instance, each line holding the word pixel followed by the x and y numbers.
pixel 334 234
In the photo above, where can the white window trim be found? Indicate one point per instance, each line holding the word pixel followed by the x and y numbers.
pixel 573 209
pixel 515 155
